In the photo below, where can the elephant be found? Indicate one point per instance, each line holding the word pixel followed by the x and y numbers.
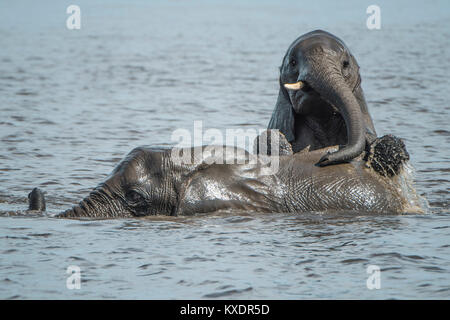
pixel 189 181
pixel 36 200
pixel 320 101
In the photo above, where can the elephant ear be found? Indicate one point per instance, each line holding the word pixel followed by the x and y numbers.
pixel 283 115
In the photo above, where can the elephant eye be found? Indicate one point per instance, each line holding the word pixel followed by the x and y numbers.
pixel 345 64
pixel 293 62
pixel 134 196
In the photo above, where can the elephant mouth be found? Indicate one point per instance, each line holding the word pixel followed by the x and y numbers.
pixel 307 101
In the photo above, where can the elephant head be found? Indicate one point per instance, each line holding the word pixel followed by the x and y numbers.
pixel 142 184
pixel 154 181
pixel 321 102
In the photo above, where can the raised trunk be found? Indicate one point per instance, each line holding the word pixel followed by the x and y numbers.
pixel 332 87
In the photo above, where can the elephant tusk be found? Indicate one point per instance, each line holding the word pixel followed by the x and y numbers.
pixel 294 86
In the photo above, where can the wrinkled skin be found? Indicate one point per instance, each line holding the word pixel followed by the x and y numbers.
pixel 149 182
pixel 36 200
pixel 326 106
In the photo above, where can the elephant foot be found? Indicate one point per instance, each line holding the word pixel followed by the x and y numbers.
pixel 386 155
pixel 263 143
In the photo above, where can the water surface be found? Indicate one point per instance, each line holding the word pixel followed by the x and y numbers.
pixel 73 103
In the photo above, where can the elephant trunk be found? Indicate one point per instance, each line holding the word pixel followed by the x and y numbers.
pixel 329 83
pixel 75 212
pixel 99 204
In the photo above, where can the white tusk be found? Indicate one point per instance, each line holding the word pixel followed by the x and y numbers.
pixel 294 86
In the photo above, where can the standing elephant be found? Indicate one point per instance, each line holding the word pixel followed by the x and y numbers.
pixel 153 181
pixel 320 102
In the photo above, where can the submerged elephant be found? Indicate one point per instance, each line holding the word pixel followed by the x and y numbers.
pixel 320 102
pixel 150 181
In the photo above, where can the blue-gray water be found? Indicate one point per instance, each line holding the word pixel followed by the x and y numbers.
pixel 74 102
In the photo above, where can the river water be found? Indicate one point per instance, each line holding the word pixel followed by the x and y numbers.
pixel 74 102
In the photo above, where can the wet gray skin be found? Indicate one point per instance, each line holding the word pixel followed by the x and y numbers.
pixel 149 182
pixel 36 200
pixel 320 102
